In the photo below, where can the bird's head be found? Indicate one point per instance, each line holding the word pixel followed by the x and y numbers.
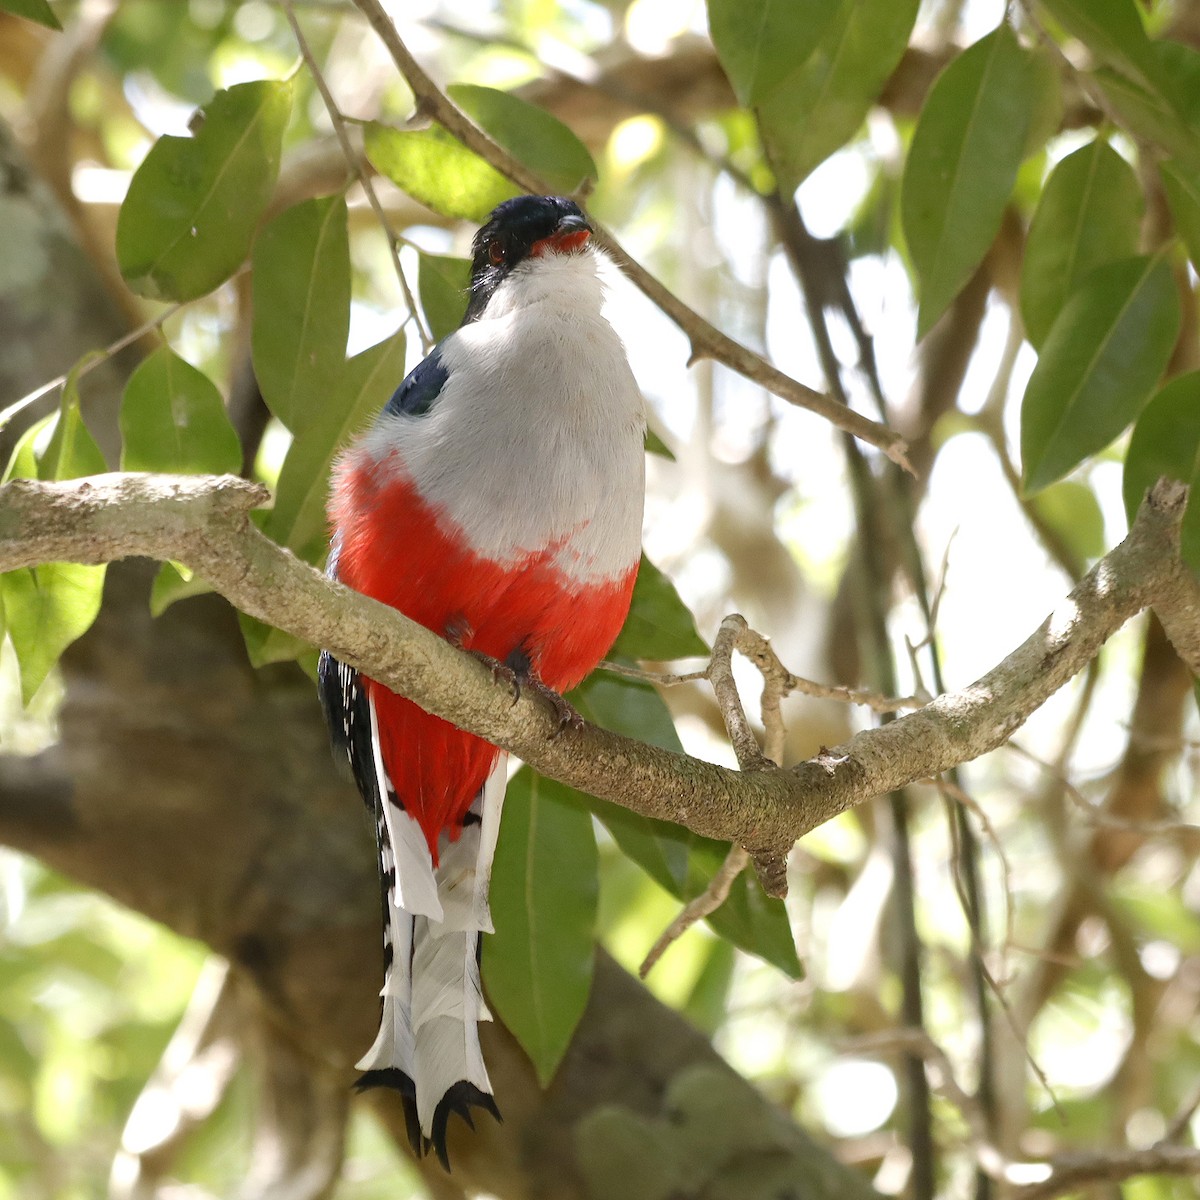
pixel 518 232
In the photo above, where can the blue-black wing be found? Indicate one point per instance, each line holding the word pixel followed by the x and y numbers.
pixel 421 387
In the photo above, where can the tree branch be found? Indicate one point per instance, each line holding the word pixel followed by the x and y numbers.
pixel 204 522
pixel 705 339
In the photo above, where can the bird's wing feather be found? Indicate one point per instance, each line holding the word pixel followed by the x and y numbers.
pixel 421 386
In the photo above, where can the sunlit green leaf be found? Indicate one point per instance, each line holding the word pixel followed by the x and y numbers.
pixel 1089 214
pixel 434 168
pixel 760 42
pixel 1181 183
pixel 659 625
pixel 34 10
pixel 194 203
pixel 173 419
pixel 1102 358
pixel 537 967
pixel 1111 29
pixel 71 450
pixel 968 144
pixel 49 606
pixel 821 104
pixel 301 308
pixel 530 134
pixel 46 608
pixel 444 285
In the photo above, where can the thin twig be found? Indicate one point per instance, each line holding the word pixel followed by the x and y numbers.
pixel 1070 1173
pixel 949 788
pixel 702 906
pixel 733 635
pixel 90 364
pixel 705 339
pixel 1099 816
pixel 355 163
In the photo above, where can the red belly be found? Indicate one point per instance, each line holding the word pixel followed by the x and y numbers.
pixel 395 548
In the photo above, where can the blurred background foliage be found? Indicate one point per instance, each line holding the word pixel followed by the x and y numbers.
pixel 942 239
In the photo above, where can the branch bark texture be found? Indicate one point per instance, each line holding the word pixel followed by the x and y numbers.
pixel 205 523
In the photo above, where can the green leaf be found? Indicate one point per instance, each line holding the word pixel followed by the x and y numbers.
pixel 434 168
pixel 659 625
pixel 1102 358
pixel 1071 509
pixel 1089 214
pixel 760 42
pixel 71 451
pixel 297 519
pixel 1164 106
pixel 301 308
pixel 822 104
pixel 174 582
pixel 655 445
pixel 194 203
pixel 301 321
pixel 537 967
pixel 33 10
pixel 1181 183
pixel 631 707
pixel 444 284
pixel 1166 441
pixel 173 419
pixel 531 135
pixel 968 144
pixel 266 645
pixel 1110 29
pixel 46 608
pixel 23 462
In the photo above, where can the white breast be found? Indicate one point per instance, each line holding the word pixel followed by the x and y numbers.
pixel 536 439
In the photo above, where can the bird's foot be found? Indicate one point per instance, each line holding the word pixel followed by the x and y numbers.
pixel 565 712
pixel 501 672
pixel 458 632
pixel 517 673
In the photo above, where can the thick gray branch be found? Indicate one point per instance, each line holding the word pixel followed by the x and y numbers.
pixel 204 522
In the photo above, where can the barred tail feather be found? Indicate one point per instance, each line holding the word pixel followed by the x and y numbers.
pixel 428 1041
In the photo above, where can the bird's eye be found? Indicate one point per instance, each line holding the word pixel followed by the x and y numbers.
pixel 496 252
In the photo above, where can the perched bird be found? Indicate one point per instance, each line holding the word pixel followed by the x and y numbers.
pixel 498 501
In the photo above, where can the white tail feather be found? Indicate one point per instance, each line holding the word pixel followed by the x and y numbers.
pixel 432 995
pixel 416 891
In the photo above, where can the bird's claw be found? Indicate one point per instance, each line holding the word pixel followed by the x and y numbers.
pixel 566 713
pixel 501 672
